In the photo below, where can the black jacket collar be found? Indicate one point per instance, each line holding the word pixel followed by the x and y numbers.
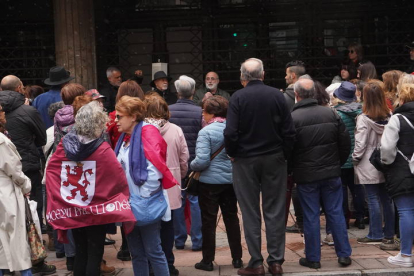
pixel 305 103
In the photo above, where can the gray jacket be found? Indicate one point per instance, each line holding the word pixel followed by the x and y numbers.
pixel 367 137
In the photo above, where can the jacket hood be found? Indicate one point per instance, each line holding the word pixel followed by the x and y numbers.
pixel 377 127
pixel 10 100
pixel 165 128
pixel 64 117
pixel 290 92
pixel 76 150
pixel 352 109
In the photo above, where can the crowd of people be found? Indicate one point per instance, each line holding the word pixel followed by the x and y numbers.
pixel 118 157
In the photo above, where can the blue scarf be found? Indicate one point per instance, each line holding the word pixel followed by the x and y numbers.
pixel 137 161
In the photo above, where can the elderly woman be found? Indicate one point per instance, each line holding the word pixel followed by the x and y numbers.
pixel 396 147
pixel 127 88
pixel 216 187
pixel 84 153
pixel 177 161
pixel 14 248
pixel 143 158
pixel 132 89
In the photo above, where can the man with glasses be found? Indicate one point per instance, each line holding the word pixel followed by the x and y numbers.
pixel 210 89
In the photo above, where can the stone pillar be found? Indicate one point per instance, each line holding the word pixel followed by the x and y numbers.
pixel 75 39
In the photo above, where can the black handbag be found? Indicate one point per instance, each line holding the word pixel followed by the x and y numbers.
pixel 375 160
pixel 192 183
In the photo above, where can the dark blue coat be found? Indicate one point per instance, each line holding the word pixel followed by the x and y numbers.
pixel 187 115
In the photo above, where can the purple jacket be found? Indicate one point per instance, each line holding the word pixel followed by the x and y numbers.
pixel 64 121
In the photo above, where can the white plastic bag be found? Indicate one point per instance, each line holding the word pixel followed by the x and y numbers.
pixel 33 207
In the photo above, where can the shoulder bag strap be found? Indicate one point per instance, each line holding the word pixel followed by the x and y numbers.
pixel 408 121
pixel 217 152
pixel 411 125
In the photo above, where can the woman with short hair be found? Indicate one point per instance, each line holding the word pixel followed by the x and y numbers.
pixel 143 158
pixel 85 149
pixel 216 184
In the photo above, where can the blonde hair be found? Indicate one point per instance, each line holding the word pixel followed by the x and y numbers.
pixel 405 78
pixel 407 92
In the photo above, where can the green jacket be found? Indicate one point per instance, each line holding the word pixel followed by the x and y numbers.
pixel 348 113
pixel 199 94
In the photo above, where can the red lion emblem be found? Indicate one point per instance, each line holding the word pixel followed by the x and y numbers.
pixel 73 179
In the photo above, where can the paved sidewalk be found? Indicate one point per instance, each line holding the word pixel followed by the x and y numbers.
pixel 367 259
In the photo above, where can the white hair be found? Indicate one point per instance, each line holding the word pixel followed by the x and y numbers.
pixel 254 70
pixel 185 86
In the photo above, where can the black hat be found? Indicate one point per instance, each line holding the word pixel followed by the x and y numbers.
pixel 410 45
pixel 58 75
pixel 160 75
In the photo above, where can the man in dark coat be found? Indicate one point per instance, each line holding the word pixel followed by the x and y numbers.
pixel 259 136
pixel 58 77
pixel 294 70
pixel 322 146
pixel 160 85
pixel 187 115
pixel 110 89
pixel 27 132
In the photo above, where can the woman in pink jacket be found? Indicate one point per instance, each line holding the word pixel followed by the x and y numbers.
pixel 177 161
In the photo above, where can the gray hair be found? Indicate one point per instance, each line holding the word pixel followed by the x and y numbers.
pixel 90 121
pixel 10 82
pixel 185 86
pixel 53 108
pixel 111 70
pixel 304 88
pixel 306 76
pixel 251 69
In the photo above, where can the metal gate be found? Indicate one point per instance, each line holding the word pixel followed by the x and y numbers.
pixel 199 36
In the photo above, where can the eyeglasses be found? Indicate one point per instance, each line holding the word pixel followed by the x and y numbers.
pixel 119 117
pixel 212 78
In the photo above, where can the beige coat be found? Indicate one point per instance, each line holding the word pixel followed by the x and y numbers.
pixel 14 247
pixel 367 137
pixel 177 159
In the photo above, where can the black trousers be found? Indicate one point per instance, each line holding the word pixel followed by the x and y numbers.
pixel 36 192
pixel 211 197
pixel 89 242
pixel 167 240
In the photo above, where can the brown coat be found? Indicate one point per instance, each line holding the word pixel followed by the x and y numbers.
pixel 14 247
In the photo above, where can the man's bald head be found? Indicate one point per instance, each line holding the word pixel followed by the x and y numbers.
pixel 11 83
pixel 252 69
pixel 304 88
